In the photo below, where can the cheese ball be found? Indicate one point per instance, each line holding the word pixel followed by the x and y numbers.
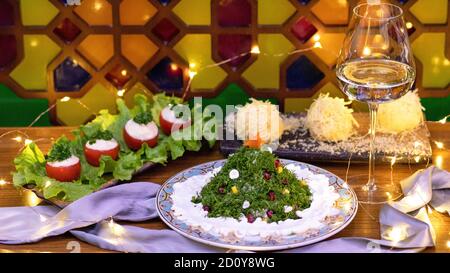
pixel 259 120
pixel 403 114
pixel 329 119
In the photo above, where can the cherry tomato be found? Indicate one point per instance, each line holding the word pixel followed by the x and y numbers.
pixel 170 123
pixel 64 173
pixel 135 144
pixel 93 156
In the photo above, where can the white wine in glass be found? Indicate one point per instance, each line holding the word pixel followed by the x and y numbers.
pixel 375 66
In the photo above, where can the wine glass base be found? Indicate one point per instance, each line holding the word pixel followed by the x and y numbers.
pixel 382 192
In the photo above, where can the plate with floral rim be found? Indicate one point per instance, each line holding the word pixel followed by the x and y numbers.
pixel 346 205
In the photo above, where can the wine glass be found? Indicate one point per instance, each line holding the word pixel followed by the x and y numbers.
pixel 375 65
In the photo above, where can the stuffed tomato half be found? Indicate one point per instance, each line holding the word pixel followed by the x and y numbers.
pixel 61 164
pixel 140 130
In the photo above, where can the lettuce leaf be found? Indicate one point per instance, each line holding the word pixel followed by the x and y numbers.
pixel 157 154
pixel 117 127
pixel 160 101
pixel 126 165
pixel 140 104
pixel 30 166
pixel 67 191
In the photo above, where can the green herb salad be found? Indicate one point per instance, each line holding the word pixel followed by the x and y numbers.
pixel 254 183
pixel 33 167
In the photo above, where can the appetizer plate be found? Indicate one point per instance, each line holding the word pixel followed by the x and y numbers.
pixel 347 204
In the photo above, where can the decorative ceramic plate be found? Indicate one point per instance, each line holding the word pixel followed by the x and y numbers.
pixel 346 206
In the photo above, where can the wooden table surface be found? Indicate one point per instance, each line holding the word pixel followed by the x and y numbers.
pixel 365 223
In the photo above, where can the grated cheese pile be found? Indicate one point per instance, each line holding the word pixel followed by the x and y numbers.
pixel 259 119
pixel 329 119
pixel 403 114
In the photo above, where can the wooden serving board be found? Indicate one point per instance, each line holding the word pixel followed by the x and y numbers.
pixel 62 204
pixel 411 147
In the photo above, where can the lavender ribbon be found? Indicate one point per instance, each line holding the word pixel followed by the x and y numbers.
pixel 88 219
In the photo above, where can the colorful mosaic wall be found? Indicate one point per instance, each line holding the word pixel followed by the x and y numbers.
pixel 103 49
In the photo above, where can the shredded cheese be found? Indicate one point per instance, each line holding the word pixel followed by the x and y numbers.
pixel 329 119
pixel 403 114
pixel 259 120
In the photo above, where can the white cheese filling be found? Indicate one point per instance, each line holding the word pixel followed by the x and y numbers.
pixel 169 115
pixel 141 131
pixel 102 145
pixel 65 163
pixel 312 218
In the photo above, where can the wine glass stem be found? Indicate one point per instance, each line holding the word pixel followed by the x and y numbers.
pixel 373 110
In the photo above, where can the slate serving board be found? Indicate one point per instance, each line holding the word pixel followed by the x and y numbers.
pixel 412 148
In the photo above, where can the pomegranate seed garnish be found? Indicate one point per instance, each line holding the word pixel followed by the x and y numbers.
pixel 250 218
pixel 267 175
pixel 271 195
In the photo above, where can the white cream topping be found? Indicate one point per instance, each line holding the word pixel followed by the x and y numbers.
pixel 141 131
pixel 234 174
pixel 287 209
pixel 169 115
pixel 322 205
pixel 102 145
pixel 65 163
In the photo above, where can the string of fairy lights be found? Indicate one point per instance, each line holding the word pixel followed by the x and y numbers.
pixel 395 234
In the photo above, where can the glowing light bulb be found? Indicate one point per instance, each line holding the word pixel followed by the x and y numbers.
pixel 192 65
pixel 396 234
pixel 317 45
pixel 316 38
pixel 173 67
pixel 367 51
pixel 409 25
pixel 417 159
pixel 116 229
pixel 255 50
pixel 111 223
pixel 448 244
pixel 65 99
pixel 17 138
pixel 120 92
pixel 435 60
pixel 192 74
pixel 124 72
pixel 446 62
pixel 444 120
pixel 98 6
pixel 2 182
pixel 34 43
pixel 393 160
pixel 439 144
pixel 439 161
pixel 28 142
